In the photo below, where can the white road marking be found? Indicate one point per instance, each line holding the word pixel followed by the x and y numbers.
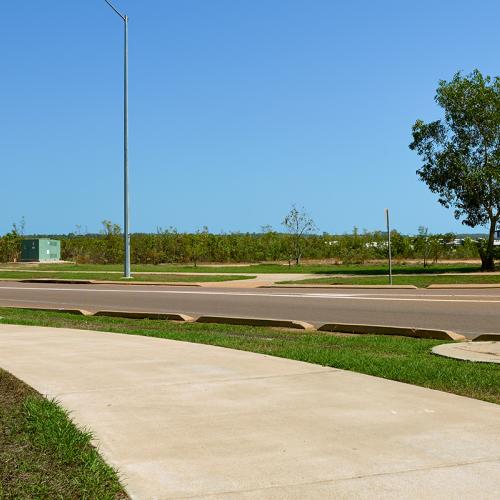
pixel 341 296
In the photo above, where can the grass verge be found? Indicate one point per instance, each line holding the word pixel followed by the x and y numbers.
pixel 416 280
pixel 397 358
pixel 177 278
pixel 355 269
pixel 42 454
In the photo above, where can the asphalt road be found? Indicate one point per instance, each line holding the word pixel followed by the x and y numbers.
pixel 465 311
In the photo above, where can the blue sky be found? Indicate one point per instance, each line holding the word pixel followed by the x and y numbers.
pixel 237 110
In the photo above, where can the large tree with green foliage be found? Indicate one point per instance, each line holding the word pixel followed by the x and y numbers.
pixel 461 153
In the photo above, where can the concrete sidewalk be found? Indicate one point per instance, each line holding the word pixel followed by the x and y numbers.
pixel 479 352
pixel 185 420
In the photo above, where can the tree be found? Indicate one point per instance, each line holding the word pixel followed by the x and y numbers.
pixel 298 224
pixel 112 251
pixel 422 243
pixel 10 244
pixel 197 247
pixel 461 153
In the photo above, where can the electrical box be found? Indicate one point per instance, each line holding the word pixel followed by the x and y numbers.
pixel 40 250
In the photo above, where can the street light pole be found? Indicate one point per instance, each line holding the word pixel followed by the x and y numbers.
pixel 389 244
pixel 126 228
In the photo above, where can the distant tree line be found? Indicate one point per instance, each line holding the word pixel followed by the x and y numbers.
pixel 171 246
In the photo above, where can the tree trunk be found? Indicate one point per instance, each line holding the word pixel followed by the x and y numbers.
pixel 487 253
pixel 298 256
pixel 297 253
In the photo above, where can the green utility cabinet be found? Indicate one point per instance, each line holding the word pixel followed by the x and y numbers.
pixel 40 250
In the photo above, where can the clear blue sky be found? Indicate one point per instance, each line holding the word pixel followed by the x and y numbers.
pixel 237 109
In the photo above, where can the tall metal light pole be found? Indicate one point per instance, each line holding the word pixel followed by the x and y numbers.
pixel 126 230
pixel 389 244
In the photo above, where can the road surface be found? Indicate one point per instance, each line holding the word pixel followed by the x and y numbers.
pixel 469 312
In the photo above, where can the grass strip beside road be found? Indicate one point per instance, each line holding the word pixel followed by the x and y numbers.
pixel 355 269
pixel 397 358
pixel 172 278
pixel 42 454
pixel 416 280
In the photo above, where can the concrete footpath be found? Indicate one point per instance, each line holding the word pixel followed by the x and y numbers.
pixel 478 352
pixel 183 420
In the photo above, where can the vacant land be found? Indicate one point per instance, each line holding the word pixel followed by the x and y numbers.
pixel 173 278
pixel 420 281
pixel 42 454
pixel 354 269
pixel 397 358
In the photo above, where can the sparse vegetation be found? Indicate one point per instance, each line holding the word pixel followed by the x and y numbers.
pixel 171 247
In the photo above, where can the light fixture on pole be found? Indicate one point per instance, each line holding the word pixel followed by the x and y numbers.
pixel 126 229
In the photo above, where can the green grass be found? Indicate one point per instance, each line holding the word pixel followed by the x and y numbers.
pixel 355 269
pixel 417 280
pixel 396 358
pixel 43 455
pixel 116 277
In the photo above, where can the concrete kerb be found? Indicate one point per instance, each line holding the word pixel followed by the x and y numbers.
pixel 146 315
pixel 370 287
pixel 277 323
pixel 101 282
pixel 254 284
pixel 424 333
pixel 421 333
pixel 463 286
pixel 486 337
pixel 77 312
pixel 151 283
pixel 49 280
